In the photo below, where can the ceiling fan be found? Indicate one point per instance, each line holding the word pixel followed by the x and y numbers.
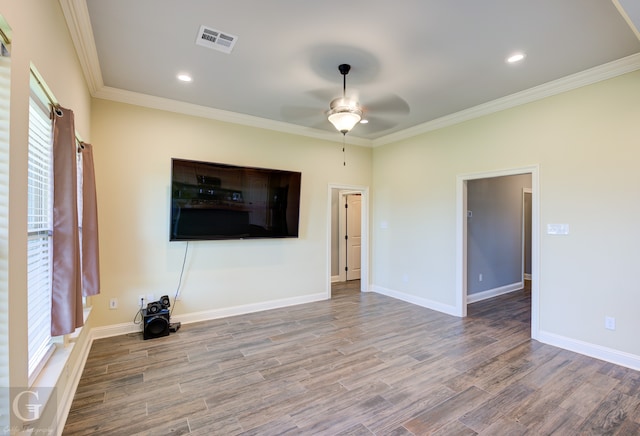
pixel 344 113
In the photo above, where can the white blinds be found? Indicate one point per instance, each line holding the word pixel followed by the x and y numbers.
pixel 39 229
pixel 5 70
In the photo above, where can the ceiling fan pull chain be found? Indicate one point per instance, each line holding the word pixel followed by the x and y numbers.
pixel 344 153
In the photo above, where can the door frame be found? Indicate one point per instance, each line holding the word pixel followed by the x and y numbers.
pixel 461 239
pixel 525 191
pixel 364 230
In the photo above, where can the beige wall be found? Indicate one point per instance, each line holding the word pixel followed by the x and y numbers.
pixel 586 145
pixel 133 147
pixel 40 37
pixel 584 141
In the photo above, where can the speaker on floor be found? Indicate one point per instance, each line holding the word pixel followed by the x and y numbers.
pixel 164 300
pixel 154 307
pixel 155 325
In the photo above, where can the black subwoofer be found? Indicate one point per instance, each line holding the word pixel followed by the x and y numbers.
pixel 156 324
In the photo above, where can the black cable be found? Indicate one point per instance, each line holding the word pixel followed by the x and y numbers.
pixel 175 297
pixel 139 312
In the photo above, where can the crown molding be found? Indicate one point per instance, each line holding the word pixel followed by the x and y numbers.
pixel 631 14
pixel 78 21
pixel 568 83
pixel 165 104
pixel 76 15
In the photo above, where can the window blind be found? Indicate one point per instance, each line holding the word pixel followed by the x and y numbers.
pixel 5 75
pixel 40 229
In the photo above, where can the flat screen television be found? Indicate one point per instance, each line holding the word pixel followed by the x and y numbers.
pixel 219 201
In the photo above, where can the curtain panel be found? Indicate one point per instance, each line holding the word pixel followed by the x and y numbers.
pixel 75 258
pixel 89 245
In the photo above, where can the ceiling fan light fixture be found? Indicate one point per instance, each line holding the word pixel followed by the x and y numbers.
pixel 344 119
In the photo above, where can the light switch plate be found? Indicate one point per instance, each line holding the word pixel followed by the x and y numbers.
pixel 610 323
pixel 557 229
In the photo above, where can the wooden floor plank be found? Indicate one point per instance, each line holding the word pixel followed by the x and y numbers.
pixel 357 364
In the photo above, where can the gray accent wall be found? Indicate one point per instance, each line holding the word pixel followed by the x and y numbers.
pixel 494 232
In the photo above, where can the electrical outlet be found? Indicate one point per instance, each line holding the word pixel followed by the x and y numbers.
pixel 142 301
pixel 113 303
pixel 480 277
pixel 609 323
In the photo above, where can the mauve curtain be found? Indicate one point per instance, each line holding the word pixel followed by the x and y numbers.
pixel 66 295
pixel 90 258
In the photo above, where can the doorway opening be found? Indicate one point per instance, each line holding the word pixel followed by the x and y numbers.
pixel 348 237
pixel 462 236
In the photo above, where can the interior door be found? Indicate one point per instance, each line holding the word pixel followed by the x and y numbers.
pixel 353 236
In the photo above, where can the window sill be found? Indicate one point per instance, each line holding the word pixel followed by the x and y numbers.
pixel 56 367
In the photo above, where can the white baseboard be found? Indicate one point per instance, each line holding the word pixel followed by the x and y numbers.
pixel 592 350
pixel 490 293
pixel 418 301
pixel 115 330
pixel 206 315
pixel 335 279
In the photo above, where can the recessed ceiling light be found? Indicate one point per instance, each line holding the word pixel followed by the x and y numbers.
pixel 183 77
pixel 363 121
pixel 516 57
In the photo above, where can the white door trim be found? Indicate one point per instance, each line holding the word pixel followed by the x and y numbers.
pixel 364 228
pixel 461 239
pixel 525 191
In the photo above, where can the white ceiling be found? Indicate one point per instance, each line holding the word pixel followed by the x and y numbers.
pixel 414 62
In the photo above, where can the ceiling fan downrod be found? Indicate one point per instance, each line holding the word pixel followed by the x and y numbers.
pixel 344 70
pixel 344 114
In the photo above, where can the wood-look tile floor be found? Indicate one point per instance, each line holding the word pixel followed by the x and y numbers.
pixel 358 364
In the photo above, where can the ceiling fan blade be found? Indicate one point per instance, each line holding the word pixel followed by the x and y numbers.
pixel 388 104
pixel 294 113
pixel 326 94
pixel 324 125
pixel 375 124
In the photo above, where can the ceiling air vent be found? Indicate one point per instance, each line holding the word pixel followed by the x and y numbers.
pixel 215 39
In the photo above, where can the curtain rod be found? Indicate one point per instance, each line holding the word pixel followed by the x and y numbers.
pixel 52 100
pixel 5 37
pixel 5 32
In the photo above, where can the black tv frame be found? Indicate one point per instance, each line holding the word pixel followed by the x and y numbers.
pixel 218 201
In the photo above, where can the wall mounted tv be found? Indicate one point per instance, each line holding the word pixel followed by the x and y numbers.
pixel 219 201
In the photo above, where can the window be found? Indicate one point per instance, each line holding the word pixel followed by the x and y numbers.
pixel 5 88
pixel 40 230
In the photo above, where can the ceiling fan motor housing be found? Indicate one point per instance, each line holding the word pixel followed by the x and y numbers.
pixel 344 69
